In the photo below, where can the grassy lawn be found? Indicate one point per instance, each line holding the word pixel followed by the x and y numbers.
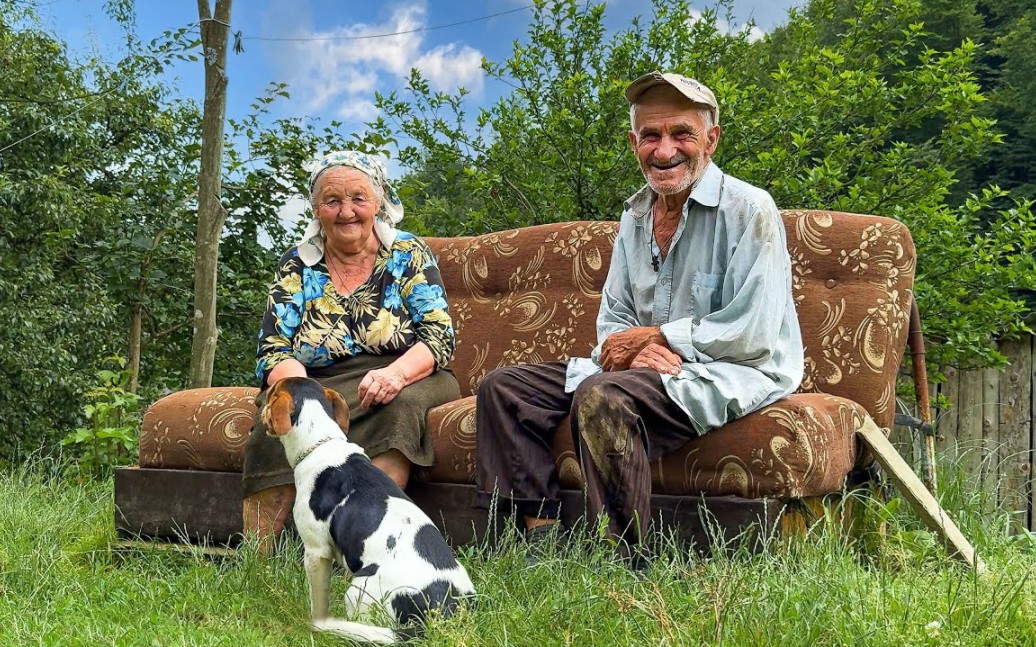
pixel 65 581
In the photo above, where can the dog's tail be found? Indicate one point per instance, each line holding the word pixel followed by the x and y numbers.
pixel 358 631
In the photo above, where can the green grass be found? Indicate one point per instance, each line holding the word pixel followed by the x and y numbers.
pixel 64 580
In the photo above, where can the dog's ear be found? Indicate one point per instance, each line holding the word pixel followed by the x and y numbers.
pixel 277 412
pixel 339 409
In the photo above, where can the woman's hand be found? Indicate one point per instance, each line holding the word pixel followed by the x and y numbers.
pixel 381 386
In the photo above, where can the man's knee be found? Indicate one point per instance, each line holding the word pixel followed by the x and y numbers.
pixel 604 416
pixel 498 382
pixel 598 395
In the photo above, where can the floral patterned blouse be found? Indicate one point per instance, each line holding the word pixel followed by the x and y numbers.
pixel 402 302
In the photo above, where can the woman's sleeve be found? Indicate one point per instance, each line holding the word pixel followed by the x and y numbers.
pixel 282 317
pixel 425 297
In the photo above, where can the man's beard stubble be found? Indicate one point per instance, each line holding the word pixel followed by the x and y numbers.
pixel 689 179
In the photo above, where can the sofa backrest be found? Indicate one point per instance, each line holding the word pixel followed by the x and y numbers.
pixel 532 294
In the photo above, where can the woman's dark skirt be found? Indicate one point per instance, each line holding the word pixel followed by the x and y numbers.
pixel 400 424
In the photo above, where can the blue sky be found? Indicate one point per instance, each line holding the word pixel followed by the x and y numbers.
pixel 334 78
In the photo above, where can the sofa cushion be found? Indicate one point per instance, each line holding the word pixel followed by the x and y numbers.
pixel 532 294
pixel 523 296
pixel 201 429
pixel 852 277
pixel 801 446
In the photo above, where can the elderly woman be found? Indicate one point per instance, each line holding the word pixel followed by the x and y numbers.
pixel 359 306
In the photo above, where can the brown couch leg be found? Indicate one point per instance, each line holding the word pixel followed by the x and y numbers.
pixel 265 514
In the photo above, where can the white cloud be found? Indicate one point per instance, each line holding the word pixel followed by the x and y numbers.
pixel 450 65
pixel 326 73
pixel 357 110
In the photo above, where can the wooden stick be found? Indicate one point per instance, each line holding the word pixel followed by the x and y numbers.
pixel 922 501
pixel 917 353
pixel 166 547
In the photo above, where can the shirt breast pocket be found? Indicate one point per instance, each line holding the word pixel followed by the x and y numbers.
pixel 706 291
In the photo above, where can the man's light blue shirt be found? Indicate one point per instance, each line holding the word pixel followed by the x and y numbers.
pixel 722 298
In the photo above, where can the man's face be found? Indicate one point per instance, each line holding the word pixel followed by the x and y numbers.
pixel 671 141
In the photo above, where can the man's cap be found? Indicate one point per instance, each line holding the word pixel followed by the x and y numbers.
pixel 693 90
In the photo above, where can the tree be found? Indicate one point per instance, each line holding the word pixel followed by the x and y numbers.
pixel 1010 79
pixel 98 224
pixel 83 163
pixel 819 116
pixel 1003 64
pixel 211 213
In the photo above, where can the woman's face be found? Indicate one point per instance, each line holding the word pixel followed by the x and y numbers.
pixel 345 205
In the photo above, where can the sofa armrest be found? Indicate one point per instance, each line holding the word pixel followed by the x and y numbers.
pixel 201 429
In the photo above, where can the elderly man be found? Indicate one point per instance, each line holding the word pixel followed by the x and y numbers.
pixel 697 327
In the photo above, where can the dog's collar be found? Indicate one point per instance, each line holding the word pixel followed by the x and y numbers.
pixel 312 449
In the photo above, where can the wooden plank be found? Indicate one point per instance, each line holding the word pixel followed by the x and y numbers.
pixel 990 465
pixel 165 547
pixel 920 499
pixel 707 521
pixel 946 421
pixel 697 521
pixel 205 507
pixel 1015 431
pixel 903 439
pixel 1032 434
pixel 178 505
pixel 968 446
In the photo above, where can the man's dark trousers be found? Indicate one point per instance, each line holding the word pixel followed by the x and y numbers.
pixel 621 421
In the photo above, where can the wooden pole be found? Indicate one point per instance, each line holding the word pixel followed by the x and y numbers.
pixel 211 214
pixel 922 501
pixel 920 369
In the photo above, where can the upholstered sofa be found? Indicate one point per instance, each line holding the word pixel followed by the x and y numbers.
pixel 532 294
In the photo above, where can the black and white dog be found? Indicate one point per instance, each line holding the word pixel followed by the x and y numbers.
pixel 348 509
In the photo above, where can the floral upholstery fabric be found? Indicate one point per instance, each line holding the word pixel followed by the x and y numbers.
pixel 801 446
pixel 531 295
pixel 203 429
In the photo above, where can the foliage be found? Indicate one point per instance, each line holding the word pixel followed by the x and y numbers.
pixel 859 94
pixel 64 128
pixel 1010 75
pixel 555 148
pixel 112 416
pixel 67 581
pixel 818 116
pixel 1005 70
pixel 98 182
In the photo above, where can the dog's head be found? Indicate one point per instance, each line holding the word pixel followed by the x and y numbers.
pixel 285 399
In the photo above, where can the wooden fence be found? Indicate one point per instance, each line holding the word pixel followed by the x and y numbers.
pixel 988 431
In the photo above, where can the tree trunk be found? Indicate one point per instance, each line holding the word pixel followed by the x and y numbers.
pixel 211 215
pixel 133 363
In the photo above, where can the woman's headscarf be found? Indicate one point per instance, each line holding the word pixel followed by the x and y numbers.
pixel 311 247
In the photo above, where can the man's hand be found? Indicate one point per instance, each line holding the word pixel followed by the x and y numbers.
pixel 380 386
pixel 658 358
pixel 620 349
